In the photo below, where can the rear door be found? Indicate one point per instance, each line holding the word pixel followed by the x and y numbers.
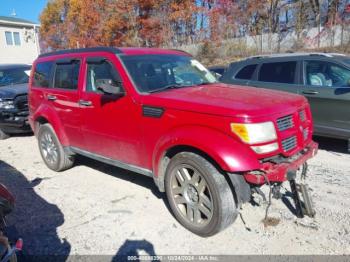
pixel 279 75
pixel 327 87
pixel 63 96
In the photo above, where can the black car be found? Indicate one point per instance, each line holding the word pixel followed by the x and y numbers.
pixel 14 99
pixel 323 78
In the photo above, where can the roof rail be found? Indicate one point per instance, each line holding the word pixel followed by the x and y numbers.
pixel 179 50
pixel 294 54
pixel 83 50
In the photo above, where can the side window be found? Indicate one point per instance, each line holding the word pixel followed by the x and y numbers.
pixel 97 72
pixel 8 36
pixel 246 73
pixel 280 72
pixel 66 75
pixel 42 74
pixel 321 73
pixel 17 38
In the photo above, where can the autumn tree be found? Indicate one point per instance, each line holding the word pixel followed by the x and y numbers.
pixel 153 23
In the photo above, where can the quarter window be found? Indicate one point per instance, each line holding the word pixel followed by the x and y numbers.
pixel 42 74
pixel 246 73
pixel 66 75
pixel 321 73
pixel 280 72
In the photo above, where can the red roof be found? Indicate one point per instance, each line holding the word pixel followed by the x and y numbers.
pixel 147 51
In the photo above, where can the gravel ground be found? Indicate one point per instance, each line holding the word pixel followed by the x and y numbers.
pixel 95 208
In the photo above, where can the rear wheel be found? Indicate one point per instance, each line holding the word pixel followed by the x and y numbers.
pixel 3 135
pixel 52 151
pixel 199 195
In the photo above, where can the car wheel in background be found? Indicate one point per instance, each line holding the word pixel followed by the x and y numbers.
pixel 199 195
pixel 52 151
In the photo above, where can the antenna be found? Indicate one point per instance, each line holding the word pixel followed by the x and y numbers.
pixel 13 13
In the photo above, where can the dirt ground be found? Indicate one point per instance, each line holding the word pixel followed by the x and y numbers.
pixel 95 208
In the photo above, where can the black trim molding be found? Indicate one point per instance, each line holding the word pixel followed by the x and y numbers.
pixel 151 111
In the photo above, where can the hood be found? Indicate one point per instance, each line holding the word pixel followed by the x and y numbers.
pixel 11 91
pixel 228 100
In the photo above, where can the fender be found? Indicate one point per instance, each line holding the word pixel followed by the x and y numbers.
pixel 231 155
pixel 48 113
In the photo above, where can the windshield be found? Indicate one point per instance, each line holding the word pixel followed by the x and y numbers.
pixel 11 76
pixel 152 73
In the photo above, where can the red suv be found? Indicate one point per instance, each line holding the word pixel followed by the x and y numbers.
pixel 162 114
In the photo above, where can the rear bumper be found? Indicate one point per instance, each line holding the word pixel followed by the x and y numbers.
pixel 14 122
pixel 276 169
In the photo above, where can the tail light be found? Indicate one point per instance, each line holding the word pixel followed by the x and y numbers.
pixel 19 244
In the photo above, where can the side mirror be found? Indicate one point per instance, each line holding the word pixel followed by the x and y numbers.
pixel 108 87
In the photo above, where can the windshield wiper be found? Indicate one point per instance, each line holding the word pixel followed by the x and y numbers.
pixel 172 86
pixel 207 83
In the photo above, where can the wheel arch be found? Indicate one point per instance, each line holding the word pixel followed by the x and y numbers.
pixel 45 115
pixel 223 152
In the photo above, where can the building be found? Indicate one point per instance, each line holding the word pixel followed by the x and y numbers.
pixel 19 41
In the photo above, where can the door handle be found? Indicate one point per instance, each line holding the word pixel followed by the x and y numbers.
pixel 85 103
pixel 51 97
pixel 311 92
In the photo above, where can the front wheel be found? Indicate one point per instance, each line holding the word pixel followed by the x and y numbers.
pixel 199 195
pixel 52 151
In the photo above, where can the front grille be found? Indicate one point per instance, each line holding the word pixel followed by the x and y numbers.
pixel 302 115
pixel 285 122
pixel 289 143
pixel 21 102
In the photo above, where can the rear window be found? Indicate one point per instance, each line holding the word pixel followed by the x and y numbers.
pixel 42 74
pixel 66 75
pixel 246 73
pixel 281 72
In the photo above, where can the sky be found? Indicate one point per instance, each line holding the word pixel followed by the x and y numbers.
pixel 26 9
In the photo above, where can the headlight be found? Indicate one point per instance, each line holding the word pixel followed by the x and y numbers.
pixel 6 104
pixel 255 133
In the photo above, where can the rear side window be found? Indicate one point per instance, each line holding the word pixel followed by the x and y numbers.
pixel 42 74
pixel 66 75
pixel 281 72
pixel 246 73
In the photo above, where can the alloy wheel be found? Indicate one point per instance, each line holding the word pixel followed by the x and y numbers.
pixel 191 195
pixel 49 148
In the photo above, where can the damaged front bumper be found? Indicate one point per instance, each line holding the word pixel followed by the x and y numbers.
pixel 14 121
pixel 277 169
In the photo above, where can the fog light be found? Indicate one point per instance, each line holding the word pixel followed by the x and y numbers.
pixel 265 148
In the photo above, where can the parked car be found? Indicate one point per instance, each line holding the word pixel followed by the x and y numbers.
pixel 162 114
pixel 14 99
pixel 321 77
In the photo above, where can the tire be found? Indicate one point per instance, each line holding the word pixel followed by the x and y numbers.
pixel 52 151
pixel 3 135
pixel 199 195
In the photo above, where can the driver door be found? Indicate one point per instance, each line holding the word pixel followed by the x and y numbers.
pixel 327 87
pixel 110 122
